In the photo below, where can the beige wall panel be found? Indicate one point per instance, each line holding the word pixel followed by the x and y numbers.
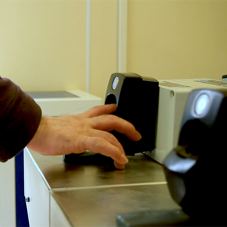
pixel 43 44
pixel 177 39
pixel 104 44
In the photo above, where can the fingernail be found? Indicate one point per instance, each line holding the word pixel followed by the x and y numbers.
pixel 139 136
pixel 124 158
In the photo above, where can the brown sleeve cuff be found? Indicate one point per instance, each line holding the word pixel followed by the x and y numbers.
pixel 19 119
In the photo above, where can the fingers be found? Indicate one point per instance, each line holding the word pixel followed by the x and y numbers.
pixel 111 122
pixel 108 137
pixel 100 110
pixel 101 120
pixel 118 165
pixel 102 146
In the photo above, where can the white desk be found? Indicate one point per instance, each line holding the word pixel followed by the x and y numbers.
pixel 91 195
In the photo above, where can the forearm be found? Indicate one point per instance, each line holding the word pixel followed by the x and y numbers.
pixel 19 119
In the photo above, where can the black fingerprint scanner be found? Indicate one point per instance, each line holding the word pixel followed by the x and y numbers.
pixel 136 99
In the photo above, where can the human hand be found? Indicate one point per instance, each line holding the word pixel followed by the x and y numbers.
pixel 86 131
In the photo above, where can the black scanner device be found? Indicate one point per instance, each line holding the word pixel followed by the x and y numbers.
pixel 136 99
pixel 196 169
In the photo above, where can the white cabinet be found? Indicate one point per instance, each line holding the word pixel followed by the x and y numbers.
pixel 57 217
pixel 58 104
pixel 42 208
pixel 36 193
pixel 7 194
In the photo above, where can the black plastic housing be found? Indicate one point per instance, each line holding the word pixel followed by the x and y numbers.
pixel 195 170
pixel 136 99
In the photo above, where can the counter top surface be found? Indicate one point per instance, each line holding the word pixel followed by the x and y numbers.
pixel 93 195
pixel 101 206
pixel 59 175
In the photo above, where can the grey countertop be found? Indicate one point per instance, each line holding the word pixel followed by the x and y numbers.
pixel 93 195
pixel 101 206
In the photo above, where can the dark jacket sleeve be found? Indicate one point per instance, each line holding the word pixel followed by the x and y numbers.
pixel 19 119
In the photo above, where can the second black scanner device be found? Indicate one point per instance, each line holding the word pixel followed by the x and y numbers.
pixel 136 99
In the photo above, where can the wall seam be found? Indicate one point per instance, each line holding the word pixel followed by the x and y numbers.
pixel 122 35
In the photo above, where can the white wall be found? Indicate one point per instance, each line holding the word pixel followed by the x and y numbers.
pixel 43 43
pixel 177 39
